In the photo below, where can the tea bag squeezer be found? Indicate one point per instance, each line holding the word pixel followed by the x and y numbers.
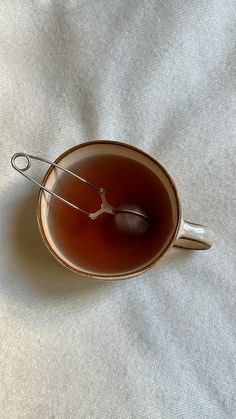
pixel 129 219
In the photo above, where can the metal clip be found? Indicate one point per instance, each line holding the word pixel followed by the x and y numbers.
pixel 105 207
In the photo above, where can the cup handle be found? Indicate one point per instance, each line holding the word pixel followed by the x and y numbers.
pixel 194 236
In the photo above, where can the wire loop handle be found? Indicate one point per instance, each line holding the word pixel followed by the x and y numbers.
pixel 105 207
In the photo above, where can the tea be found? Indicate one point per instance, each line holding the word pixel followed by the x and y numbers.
pixel 97 245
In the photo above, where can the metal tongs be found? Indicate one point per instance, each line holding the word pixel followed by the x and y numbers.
pixel 105 207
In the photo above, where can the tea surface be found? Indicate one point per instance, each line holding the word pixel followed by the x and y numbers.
pixel 97 245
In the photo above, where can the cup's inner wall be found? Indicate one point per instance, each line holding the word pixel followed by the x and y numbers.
pixel 80 154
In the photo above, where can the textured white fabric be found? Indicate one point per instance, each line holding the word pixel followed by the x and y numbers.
pixel 158 74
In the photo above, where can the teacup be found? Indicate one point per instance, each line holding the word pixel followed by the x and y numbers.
pixel 179 233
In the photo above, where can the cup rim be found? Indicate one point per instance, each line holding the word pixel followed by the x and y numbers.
pixel 108 277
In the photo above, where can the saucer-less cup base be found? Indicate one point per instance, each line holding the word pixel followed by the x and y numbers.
pixel 182 234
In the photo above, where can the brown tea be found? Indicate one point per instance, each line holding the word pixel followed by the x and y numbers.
pixel 97 245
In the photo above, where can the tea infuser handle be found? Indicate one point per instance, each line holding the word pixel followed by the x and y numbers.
pixel 194 236
pixel 105 207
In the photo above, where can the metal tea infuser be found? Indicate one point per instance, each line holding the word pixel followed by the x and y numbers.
pixel 129 219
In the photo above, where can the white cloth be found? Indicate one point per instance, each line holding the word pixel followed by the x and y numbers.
pixel 159 74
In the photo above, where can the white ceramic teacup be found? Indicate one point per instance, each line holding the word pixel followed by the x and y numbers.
pixel 183 234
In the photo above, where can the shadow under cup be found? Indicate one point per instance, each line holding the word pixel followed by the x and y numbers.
pixel 95 248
